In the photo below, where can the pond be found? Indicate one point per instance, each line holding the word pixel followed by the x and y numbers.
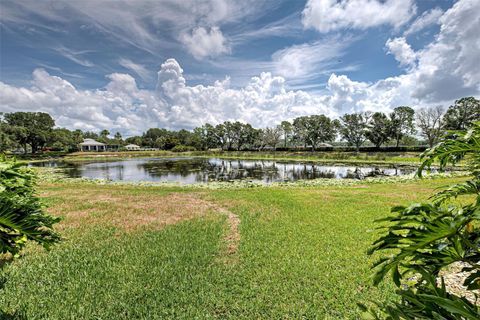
pixel 195 170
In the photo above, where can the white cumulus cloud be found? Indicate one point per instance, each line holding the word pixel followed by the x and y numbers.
pixel 331 15
pixel 402 51
pixel 203 42
pixel 446 69
pixel 122 106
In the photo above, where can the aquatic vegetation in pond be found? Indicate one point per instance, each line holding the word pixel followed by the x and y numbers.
pixel 58 175
pixel 200 170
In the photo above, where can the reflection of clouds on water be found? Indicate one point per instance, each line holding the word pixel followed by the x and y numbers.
pixel 191 170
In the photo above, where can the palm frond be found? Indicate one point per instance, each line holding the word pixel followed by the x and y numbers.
pixel 21 214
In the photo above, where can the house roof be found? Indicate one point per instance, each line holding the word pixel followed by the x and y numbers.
pixel 132 146
pixel 91 142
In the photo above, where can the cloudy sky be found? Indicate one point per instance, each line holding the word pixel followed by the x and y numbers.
pixel 130 65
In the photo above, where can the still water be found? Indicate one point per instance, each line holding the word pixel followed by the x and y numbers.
pixel 194 170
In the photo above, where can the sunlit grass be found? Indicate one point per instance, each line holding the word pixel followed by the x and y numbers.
pixel 301 254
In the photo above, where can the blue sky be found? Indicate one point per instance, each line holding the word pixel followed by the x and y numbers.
pixel 317 56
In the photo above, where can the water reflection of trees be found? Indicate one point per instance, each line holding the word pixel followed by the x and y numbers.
pixel 310 171
pixel 203 170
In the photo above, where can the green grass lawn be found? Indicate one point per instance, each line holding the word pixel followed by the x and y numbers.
pixel 132 252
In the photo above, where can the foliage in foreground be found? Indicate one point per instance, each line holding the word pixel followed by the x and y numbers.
pixel 428 238
pixel 21 215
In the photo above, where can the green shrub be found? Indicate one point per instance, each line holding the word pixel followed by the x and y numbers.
pixel 427 238
pixel 21 214
pixel 183 148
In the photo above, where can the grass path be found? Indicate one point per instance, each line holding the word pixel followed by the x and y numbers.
pixel 134 252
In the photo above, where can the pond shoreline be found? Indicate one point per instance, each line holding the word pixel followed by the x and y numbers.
pixel 55 175
pixel 187 170
pixel 374 158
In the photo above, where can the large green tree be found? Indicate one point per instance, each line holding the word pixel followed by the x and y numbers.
pixel 30 128
pixel 353 128
pixel 65 139
pixel 315 129
pixel 378 129
pixel 300 130
pixel 402 123
pixel 206 136
pixel 246 136
pixel 134 140
pixel 462 114
pixel 151 136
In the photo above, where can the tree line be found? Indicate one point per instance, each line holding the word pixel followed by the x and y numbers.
pixel 36 131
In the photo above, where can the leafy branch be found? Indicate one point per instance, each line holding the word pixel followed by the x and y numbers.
pixel 427 238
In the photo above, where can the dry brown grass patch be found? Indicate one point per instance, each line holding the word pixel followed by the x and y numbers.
pixel 131 211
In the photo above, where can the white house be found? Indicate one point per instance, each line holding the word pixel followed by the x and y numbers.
pixel 132 147
pixel 324 145
pixel 92 145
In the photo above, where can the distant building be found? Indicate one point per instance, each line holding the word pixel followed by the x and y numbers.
pixel 132 147
pixel 92 145
pixel 324 145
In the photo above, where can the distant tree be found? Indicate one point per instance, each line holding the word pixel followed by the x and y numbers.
pixel 402 123
pixel 207 138
pixel 221 136
pixel 134 140
pixel 287 130
pixel 353 128
pixel 104 134
pixel 300 126
pixel 166 141
pixel 150 137
pixel 259 142
pixel 315 129
pixel 462 114
pixel 320 128
pixel 410 141
pixel 118 138
pixel 231 134
pixel 64 139
pixel 184 137
pixel 378 129
pixel 90 135
pixel 246 136
pixel 272 136
pixel 30 128
pixel 430 122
